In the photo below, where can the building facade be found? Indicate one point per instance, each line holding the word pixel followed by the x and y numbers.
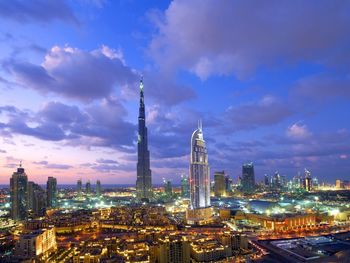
pixel 18 194
pixel 51 192
pixel 144 173
pixel 219 184
pixel 98 189
pixel 248 178
pixel 200 211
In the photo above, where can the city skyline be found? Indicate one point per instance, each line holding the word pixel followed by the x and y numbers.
pixel 69 88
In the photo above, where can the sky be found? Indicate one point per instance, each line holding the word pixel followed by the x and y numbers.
pixel 270 81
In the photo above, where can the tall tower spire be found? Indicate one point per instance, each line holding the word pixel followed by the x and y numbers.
pixel 144 173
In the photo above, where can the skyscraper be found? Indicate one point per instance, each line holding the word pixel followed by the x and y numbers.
pixel 18 192
pixel 219 185
pixel 79 187
pixel 98 188
pixel 168 188
pixel 36 200
pixel 144 173
pixel 200 211
pixel 199 171
pixel 185 186
pixel 248 178
pixel 88 188
pixel 51 191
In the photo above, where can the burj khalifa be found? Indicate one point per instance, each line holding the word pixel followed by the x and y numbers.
pixel 144 173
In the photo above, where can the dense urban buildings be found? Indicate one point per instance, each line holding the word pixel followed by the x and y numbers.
pixel 265 181
pixel 144 173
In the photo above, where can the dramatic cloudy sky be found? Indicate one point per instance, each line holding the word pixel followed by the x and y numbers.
pixel 269 79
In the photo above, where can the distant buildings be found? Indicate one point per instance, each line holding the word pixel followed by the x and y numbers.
pixel 219 184
pixel 36 199
pixel 248 178
pixel 168 188
pixel 88 188
pixel 342 184
pixel 144 173
pixel 18 193
pixel 185 187
pixel 79 187
pixel 51 192
pixel 200 211
pixel 98 188
pixel 307 181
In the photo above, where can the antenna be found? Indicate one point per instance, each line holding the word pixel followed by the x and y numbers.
pixel 200 124
pixel 20 164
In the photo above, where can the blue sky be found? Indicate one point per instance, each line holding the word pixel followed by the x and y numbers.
pixel 270 80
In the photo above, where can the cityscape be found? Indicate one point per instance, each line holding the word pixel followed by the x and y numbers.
pixel 196 132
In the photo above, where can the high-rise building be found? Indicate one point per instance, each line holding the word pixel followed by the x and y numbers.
pixel 248 178
pixel 228 184
pixel 51 191
pixel 168 188
pixel 185 187
pixel 339 184
pixel 79 187
pixel 307 182
pixel 88 188
pixel 18 193
pixel 98 188
pixel 266 180
pixel 144 173
pixel 219 185
pixel 200 211
pixel 36 199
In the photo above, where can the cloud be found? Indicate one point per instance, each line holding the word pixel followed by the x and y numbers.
pixel 101 124
pixel 298 131
pixel 75 73
pixel 37 10
pixel 237 37
pixel 106 161
pixel 2 151
pixel 48 165
pixel 322 87
pixel 268 111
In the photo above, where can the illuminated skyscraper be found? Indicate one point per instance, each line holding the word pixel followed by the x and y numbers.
pixel 18 192
pixel 248 178
pixel 144 173
pixel 199 171
pixel 88 188
pixel 98 188
pixel 185 186
pixel 168 188
pixel 36 200
pixel 79 187
pixel 219 186
pixel 200 212
pixel 51 191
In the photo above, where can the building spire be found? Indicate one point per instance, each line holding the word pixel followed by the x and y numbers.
pixel 200 124
pixel 141 83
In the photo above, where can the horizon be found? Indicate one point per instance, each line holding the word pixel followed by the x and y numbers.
pixel 269 91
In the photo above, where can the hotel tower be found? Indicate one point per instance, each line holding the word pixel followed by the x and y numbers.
pixel 200 211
